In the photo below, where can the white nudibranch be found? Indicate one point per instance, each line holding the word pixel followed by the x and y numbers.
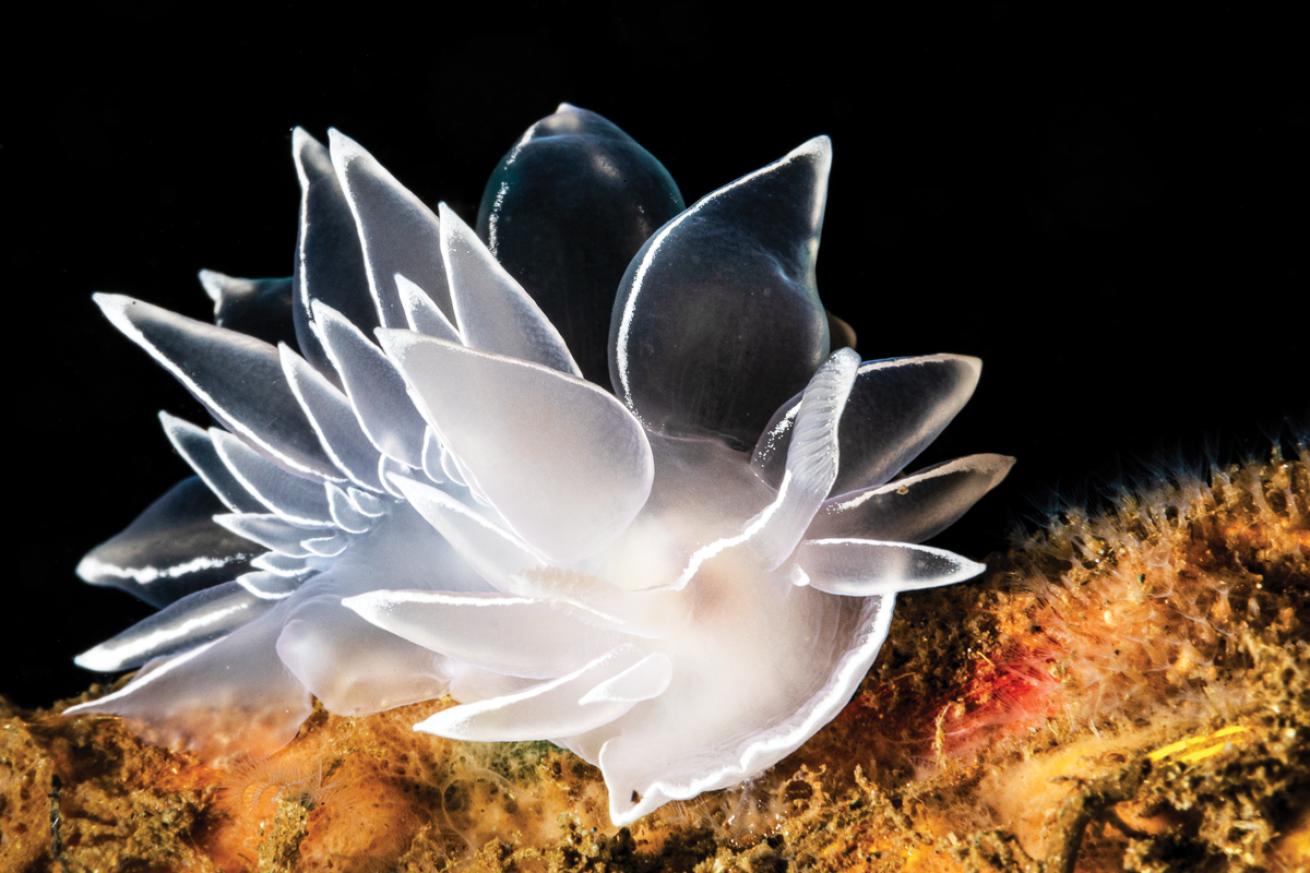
pixel 419 481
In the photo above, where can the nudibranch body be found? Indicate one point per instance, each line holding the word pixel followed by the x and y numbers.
pixel 420 484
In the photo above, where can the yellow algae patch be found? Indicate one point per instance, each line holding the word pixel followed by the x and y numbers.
pixel 1194 749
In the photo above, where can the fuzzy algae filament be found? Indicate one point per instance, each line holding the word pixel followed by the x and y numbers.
pixel 1111 761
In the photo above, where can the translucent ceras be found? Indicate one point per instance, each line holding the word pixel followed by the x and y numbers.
pixel 593 471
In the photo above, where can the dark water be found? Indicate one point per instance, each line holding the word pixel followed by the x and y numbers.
pixel 1109 210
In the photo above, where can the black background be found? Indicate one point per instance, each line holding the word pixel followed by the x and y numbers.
pixel 1107 206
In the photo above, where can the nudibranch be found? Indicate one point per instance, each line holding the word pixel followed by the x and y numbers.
pixel 420 481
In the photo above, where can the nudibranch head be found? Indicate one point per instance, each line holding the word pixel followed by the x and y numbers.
pixel 419 481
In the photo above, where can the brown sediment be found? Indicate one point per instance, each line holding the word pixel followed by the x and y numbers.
pixel 1126 690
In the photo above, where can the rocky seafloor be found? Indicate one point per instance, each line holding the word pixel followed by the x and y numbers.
pixel 1126 689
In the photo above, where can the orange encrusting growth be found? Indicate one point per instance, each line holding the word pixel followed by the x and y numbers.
pixel 1128 689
